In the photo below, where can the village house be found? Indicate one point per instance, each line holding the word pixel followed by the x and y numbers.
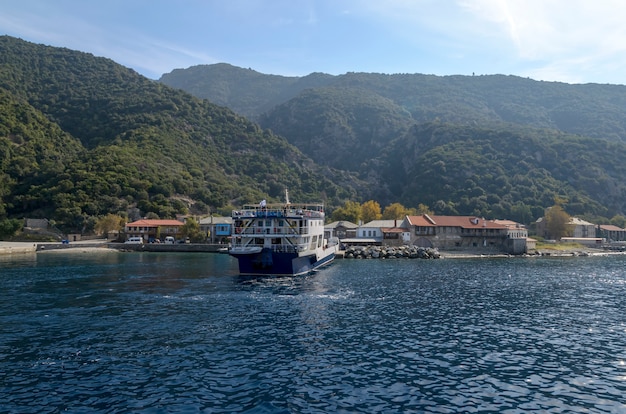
pixel 466 232
pixel 340 229
pixel 611 233
pixel 216 229
pixel 151 230
pixel 379 232
pixel 444 232
pixel 518 241
pixel 580 229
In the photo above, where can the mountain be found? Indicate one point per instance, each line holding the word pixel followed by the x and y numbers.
pixel 514 172
pixel 82 136
pixel 592 110
pixel 498 146
pixel 339 127
pixel 245 91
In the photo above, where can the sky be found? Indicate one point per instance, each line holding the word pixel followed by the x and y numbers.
pixel 572 41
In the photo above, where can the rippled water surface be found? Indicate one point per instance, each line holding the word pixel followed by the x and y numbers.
pixel 141 332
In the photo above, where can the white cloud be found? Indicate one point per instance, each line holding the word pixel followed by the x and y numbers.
pixel 543 29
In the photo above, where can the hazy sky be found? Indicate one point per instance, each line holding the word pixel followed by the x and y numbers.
pixel 574 41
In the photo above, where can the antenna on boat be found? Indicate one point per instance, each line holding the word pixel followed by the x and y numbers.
pixel 287 197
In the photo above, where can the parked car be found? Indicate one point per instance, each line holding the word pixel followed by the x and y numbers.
pixel 134 240
pixel 170 240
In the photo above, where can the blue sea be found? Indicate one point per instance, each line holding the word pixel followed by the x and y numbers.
pixel 184 333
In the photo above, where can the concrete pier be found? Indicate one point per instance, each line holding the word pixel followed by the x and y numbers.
pixel 7 248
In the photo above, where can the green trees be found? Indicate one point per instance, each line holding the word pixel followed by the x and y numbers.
pixel 109 223
pixel 557 222
pixel 351 211
pixel 191 229
pixel 8 227
pixel 82 137
pixel 394 211
pixel 370 210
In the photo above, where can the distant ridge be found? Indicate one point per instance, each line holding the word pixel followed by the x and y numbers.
pixel 492 145
pixel 594 110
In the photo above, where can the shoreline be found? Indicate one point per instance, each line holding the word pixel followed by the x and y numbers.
pixel 539 253
pixel 25 248
pixel 21 248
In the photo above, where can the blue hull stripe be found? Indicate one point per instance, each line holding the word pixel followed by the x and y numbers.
pixel 279 263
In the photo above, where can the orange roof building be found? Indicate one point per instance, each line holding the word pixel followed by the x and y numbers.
pixel 466 232
pixel 152 229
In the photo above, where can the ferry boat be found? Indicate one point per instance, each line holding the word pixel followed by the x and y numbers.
pixel 280 239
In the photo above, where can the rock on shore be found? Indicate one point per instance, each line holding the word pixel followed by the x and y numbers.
pixel 391 252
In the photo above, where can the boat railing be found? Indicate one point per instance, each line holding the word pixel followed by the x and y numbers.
pixel 273 231
pixel 278 248
pixel 286 212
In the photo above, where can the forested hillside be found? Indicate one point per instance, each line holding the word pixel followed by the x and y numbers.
pixel 245 91
pixel 592 110
pixel 498 146
pixel 514 173
pixel 344 128
pixel 82 136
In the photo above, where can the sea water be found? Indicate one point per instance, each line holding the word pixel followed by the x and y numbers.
pixel 162 333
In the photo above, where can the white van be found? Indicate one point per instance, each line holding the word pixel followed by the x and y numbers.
pixel 170 240
pixel 134 240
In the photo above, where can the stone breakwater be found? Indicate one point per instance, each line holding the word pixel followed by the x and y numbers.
pixel 391 252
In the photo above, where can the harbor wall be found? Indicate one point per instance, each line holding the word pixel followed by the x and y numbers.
pixel 161 247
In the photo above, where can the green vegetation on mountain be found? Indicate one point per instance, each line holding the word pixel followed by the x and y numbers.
pixel 342 128
pixel 514 173
pixel 592 110
pixel 496 146
pixel 82 137
pixel 245 91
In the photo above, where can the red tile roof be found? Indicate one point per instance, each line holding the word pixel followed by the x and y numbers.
pixel 466 222
pixel 610 227
pixel 154 223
